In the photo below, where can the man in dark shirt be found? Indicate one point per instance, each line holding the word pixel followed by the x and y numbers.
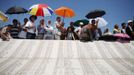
pixel 133 25
pixel 71 26
pixel 129 29
pixel 15 29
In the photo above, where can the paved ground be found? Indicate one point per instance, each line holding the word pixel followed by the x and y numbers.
pixel 41 57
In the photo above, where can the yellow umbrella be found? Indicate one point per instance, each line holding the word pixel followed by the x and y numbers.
pixel 3 17
pixel 65 12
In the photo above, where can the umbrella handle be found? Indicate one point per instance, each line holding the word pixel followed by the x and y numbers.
pixel 64 15
pixel 63 19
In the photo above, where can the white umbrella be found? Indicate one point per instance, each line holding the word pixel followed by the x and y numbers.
pixel 102 22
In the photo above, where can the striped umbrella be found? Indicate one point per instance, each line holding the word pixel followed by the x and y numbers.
pixel 40 10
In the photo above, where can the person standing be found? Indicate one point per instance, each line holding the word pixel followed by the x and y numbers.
pixel 116 29
pixel 78 30
pixel 72 26
pixel 63 32
pixel 49 31
pixel 15 29
pixel 22 34
pixel 41 29
pixel 133 25
pixel 86 33
pixel 129 29
pixel 123 30
pixel 57 27
pixel 31 29
pixel 99 32
pixel 94 29
pixel 71 35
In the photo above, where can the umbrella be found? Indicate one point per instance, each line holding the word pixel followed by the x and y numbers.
pixel 102 22
pixel 121 35
pixel 16 10
pixel 81 22
pixel 3 17
pixel 95 13
pixel 123 38
pixel 65 12
pixel 40 10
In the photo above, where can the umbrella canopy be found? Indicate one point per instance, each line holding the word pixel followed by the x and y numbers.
pixel 3 17
pixel 95 13
pixel 102 22
pixel 123 38
pixel 81 22
pixel 16 10
pixel 40 10
pixel 65 12
pixel 120 35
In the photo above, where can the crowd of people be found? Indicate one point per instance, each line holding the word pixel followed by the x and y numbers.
pixel 49 31
pixel 126 28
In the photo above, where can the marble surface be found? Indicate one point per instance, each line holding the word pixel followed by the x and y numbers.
pixel 55 57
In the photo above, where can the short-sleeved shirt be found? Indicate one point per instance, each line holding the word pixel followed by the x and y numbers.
pixel 29 24
pixel 14 31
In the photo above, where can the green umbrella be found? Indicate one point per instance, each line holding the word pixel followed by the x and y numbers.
pixel 82 22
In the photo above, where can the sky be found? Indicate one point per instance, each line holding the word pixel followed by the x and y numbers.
pixel 117 11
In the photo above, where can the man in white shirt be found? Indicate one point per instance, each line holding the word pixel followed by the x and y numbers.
pixel 23 32
pixel 31 29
